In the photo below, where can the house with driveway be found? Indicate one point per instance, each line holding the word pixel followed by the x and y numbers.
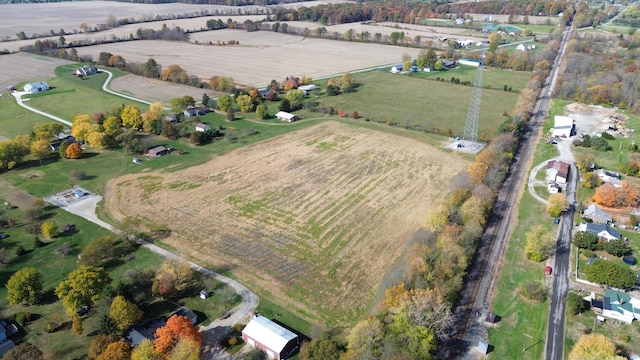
pixel 557 171
pixel 36 87
pixel 600 230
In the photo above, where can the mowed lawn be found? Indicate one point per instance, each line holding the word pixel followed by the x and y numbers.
pixel 491 79
pixel 71 95
pixel 418 102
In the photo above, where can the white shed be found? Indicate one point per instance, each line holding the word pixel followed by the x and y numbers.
pixel 271 338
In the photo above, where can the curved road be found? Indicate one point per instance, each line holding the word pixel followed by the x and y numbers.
pixel 86 209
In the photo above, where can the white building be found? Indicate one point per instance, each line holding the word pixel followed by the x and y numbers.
pixel 562 126
pixel 271 338
pixel 469 62
pixel 36 87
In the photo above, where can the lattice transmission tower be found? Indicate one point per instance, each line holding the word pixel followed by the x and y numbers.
pixel 473 114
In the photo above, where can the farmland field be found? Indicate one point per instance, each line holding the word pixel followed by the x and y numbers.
pixel 17 68
pixel 428 104
pixel 155 90
pixel 40 18
pixel 314 219
pixel 261 56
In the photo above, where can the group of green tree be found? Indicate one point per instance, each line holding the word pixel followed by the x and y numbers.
pixel 602 271
pixel 90 282
pixel 38 144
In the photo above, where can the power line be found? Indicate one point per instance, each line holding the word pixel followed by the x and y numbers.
pixel 473 114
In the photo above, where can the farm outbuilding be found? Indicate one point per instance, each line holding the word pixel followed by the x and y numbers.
pixel 200 127
pixel 557 171
pixel 596 215
pixel 271 338
pixel 36 87
pixel 157 151
pixel 562 126
pixel 287 117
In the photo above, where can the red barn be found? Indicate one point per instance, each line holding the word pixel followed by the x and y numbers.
pixel 271 338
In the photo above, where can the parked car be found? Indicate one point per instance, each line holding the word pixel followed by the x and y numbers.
pixel 137 161
pixel 83 311
pixel 629 260
pixel 547 270
pixel 3 236
pixel 556 221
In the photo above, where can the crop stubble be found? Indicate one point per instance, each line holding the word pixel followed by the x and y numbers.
pixel 315 217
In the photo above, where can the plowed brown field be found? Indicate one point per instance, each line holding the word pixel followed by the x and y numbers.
pixel 316 218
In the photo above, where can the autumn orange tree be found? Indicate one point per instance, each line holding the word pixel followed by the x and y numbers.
pixel 606 195
pixel 177 328
pixel 74 151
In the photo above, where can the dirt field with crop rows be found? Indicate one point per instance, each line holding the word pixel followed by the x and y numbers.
pixel 156 90
pixel 315 218
pixel 260 57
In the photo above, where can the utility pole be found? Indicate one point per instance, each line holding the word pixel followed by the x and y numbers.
pixel 473 114
pixel 525 341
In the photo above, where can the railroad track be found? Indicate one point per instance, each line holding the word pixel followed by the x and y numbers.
pixel 480 282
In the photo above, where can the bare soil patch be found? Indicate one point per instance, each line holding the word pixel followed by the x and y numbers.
pixel 592 119
pixel 260 57
pixel 155 90
pixel 315 218
pixel 15 196
pixel 17 68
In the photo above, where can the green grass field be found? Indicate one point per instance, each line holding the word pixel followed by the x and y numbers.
pixel 71 95
pixel 385 97
pixel 492 78
pixel 521 316
pixel 63 344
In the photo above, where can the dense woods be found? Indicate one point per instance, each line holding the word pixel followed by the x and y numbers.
pixel 604 70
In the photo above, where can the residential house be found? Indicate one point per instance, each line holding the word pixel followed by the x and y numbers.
pixel 200 127
pixel 86 70
pixel 271 338
pixel 595 214
pixel 557 171
pixel 525 47
pixel 562 126
pixel 397 69
pixel 137 334
pixel 617 305
pixel 183 311
pixel 6 330
pixel 196 111
pixel 285 116
pixel 601 230
pixel 307 88
pixel 449 64
pixel 36 87
pixel 466 43
pixel 170 118
pixel 609 177
pixel 553 188
pixel 157 151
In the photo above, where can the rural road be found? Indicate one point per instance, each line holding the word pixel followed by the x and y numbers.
pixel 554 344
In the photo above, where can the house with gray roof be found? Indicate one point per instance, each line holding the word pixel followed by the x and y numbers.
pixel 595 214
pixel 600 230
